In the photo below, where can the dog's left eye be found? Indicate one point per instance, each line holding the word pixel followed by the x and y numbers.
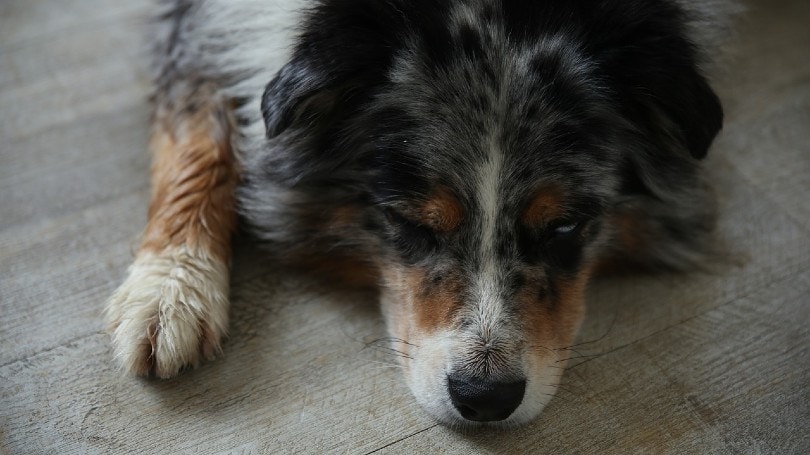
pixel 567 229
pixel 563 244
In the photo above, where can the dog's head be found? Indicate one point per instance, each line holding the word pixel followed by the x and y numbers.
pixel 480 149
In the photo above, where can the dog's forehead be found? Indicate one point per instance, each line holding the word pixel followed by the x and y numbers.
pixel 512 162
pixel 532 119
pixel 494 120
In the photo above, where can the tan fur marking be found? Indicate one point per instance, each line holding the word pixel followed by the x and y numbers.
pixel 335 265
pixel 341 218
pixel 193 179
pixel 630 233
pixel 338 269
pixel 554 324
pixel 545 207
pixel 435 304
pixel 442 212
pixel 631 241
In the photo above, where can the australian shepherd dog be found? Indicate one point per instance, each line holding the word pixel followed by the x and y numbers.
pixel 478 160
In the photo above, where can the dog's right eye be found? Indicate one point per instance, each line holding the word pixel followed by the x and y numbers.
pixel 395 218
pixel 406 225
pixel 411 239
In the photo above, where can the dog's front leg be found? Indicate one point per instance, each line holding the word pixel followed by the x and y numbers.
pixel 172 310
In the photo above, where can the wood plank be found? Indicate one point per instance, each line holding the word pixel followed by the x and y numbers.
pixel 75 166
pixel 55 276
pixel 40 23
pixel 69 96
pixel 770 150
pixel 766 93
pixel 74 122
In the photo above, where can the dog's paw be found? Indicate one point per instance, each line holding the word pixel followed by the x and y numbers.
pixel 170 313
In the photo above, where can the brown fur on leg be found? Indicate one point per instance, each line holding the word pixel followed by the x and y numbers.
pixel 193 180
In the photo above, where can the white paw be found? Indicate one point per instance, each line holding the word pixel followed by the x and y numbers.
pixel 170 313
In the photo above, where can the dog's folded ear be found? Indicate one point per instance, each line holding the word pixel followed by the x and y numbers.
pixel 699 115
pixel 341 54
pixel 312 111
pixel 301 96
pixel 661 86
pixel 679 106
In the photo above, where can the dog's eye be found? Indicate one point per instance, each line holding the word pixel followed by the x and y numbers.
pixel 397 219
pixel 412 239
pixel 567 229
pixel 564 243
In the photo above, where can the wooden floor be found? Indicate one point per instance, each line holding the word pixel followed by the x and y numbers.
pixel 682 364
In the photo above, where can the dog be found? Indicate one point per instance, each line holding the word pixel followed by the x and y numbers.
pixel 478 160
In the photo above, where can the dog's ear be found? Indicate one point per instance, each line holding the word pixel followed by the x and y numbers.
pixel 681 106
pixel 342 53
pixel 305 96
pixel 283 95
pixel 660 84
pixel 701 117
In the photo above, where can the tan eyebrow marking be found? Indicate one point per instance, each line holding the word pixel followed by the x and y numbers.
pixel 442 211
pixel 546 206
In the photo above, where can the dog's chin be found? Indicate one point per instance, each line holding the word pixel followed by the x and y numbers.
pixel 444 413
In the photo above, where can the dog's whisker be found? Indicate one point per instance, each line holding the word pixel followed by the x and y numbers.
pixel 390 351
pixel 557 395
pixel 544 348
pixel 584 362
pixel 602 337
pixel 389 340
pixel 578 353
pixel 393 352
pixel 585 356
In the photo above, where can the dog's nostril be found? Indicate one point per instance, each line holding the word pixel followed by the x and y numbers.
pixel 485 401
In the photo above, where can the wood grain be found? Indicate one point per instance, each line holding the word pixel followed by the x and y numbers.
pixel 703 363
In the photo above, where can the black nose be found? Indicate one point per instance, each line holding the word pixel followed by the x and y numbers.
pixel 485 401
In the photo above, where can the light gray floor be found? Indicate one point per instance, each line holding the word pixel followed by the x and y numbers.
pixel 696 364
